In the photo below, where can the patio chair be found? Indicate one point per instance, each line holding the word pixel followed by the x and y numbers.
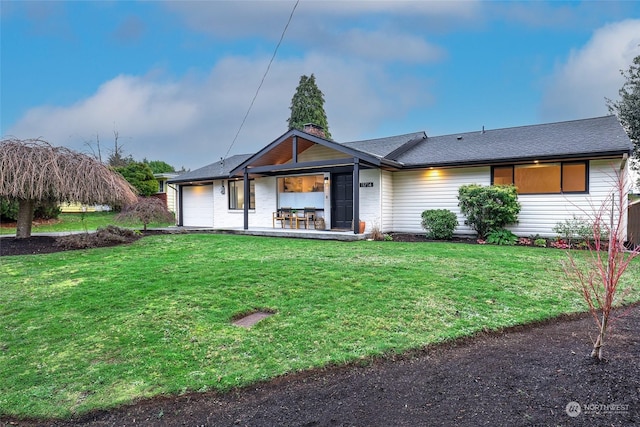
pixel 282 215
pixel 308 217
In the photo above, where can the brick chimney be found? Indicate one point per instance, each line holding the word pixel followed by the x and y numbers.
pixel 314 129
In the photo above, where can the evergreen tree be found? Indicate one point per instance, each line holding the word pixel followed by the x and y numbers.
pixel 307 106
pixel 159 166
pixel 140 176
pixel 628 107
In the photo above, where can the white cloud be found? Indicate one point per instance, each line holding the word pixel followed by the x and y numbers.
pixel 191 121
pixel 389 47
pixel 389 30
pixel 578 87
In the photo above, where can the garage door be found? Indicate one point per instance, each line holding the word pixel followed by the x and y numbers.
pixel 197 206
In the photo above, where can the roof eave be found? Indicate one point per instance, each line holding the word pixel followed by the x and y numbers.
pixel 492 162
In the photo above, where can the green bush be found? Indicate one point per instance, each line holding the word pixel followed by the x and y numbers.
pixel 8 210
pixel 140 176
pixel 439 223
pixel 43 210
pixel 540 242
pixel 576 228
pixel 502 237
pixel 47 210
pixel 488 208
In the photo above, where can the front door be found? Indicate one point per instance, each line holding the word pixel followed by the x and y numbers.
pixel 341 200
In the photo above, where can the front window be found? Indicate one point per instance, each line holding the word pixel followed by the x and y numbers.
pixel 236 195
pixel 543 178
pixel 302 191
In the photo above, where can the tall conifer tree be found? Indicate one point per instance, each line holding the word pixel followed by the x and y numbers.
pixel 307 106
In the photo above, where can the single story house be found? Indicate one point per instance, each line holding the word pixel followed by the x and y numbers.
pixel 166 192
pixel 560 169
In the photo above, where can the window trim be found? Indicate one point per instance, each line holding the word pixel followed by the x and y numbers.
pixel 251 199
pixel 562 164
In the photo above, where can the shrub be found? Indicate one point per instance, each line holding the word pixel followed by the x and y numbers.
pixel 502 237
pixel 8 209
pixel 540 243
pixel 376 234
pixel 488 208
pixel 105 236
pixel 47 210
pixel 439 223
pixel 524 241
pixel 577 229
pixel 146 210
pixel 43 210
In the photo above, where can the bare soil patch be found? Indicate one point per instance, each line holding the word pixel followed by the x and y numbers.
pixel 525 375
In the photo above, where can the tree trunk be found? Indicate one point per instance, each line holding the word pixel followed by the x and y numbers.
pixel 25 218
pixel 597 347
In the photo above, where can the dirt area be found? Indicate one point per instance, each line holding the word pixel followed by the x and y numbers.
pixel 530 375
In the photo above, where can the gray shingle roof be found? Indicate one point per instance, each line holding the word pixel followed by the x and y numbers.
pixel 217 170
pixel 598 136
pixel 382 147
pixel 586 137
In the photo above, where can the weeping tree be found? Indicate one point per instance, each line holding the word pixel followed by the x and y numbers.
pixel 146 210
pixel 33 170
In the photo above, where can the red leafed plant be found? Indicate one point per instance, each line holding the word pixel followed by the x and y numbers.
pixel 598 279
pixel 146 210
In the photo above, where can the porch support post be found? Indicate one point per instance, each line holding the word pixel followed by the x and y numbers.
pixel 294 155
pixel 247 197
pixel 356 195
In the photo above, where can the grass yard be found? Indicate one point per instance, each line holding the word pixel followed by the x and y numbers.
pixel 90 221
pixel 82 330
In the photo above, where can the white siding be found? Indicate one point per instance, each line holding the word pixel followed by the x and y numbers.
pixel 386 188
pixel 540 213
pixel 197 206
pixel 417 191
pixel 371 199
pixel 234 218
pixel 320 152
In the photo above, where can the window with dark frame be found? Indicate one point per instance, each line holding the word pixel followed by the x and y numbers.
pixel 544 178
pixel 236 195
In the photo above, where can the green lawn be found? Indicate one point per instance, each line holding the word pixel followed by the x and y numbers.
pixel 91 329
pixel 80 222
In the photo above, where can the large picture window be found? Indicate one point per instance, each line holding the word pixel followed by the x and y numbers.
pixel 301 191
pixel 543 178
pixel 236 195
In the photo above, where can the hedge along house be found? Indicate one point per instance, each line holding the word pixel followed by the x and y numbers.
pixel 561 170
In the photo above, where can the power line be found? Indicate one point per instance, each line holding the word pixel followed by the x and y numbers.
pixel 263 78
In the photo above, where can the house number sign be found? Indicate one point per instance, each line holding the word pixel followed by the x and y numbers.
pixel 366 184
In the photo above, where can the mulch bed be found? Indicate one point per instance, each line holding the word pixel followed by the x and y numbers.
pixel 527 375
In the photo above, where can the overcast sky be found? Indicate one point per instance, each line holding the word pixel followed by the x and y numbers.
pixel 175 79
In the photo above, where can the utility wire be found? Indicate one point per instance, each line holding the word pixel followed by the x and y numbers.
pixel 263 78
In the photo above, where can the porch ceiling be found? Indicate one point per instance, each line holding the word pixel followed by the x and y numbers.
pixel 281 153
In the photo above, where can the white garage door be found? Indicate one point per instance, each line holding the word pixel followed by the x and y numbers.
pixel 197 206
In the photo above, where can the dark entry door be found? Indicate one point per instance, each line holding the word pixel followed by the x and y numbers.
pixel 341 200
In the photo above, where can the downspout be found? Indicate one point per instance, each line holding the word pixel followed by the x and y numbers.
pixel 247 196
pixel 356 195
